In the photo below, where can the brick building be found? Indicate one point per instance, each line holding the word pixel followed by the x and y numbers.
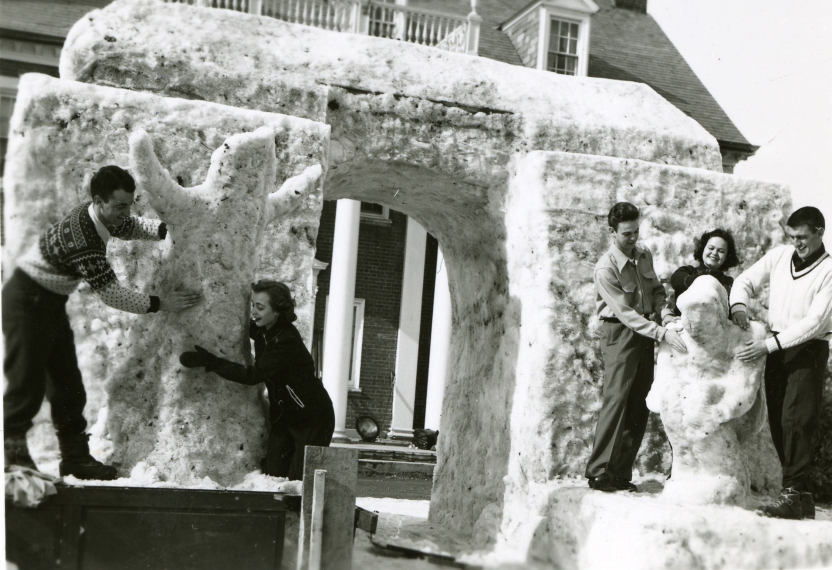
pixel 394 266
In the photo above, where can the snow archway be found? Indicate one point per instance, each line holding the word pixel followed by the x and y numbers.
pixel 512 169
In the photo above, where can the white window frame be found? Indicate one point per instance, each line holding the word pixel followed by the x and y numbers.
pixel 384 216
pixel 358 342
pixel 549 13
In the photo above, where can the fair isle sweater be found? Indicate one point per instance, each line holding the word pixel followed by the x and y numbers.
pixel 75 248
pixel 800 302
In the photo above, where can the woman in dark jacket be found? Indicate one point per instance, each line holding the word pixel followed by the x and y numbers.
pixel 716 253
pixel 300 410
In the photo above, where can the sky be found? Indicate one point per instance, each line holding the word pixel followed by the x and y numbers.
pixel 769 65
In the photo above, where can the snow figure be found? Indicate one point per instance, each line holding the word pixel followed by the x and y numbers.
pixel 709 401
pixel 185 423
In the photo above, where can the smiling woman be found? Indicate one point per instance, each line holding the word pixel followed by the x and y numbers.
pixel 716 253
pixel 300 410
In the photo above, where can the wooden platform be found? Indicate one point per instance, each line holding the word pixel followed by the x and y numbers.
pixel 118 528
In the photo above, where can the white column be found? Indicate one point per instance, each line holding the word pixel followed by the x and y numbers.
pixel 338 333
pixel 440 344
pixel 410 316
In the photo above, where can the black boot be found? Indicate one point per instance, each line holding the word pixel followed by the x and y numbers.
pixel 788 506
pixel 16 452
pixel 807 505
pixel 76 459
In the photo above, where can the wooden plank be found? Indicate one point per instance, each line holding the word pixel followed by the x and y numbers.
pixel 341 466
pixel 315 541
pixel 200 499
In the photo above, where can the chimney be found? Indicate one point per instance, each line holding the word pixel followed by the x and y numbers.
pixel 639 6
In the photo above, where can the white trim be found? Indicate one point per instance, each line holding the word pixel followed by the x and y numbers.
pixel 578 6
pixel 384 215
pixel 30 52
pixel 547 14
pixel 8 85
pixel 354 379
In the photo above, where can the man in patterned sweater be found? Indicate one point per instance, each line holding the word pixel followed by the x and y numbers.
pixel 800 317
pixel 39 340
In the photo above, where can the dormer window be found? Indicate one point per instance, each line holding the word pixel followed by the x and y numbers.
pixel 553 35
pixel 563 47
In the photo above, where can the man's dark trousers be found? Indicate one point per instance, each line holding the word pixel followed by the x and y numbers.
pixel 40 354
pixel 628 376
pixel 794 390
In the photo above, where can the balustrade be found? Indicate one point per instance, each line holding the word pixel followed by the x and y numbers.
pixel 372 17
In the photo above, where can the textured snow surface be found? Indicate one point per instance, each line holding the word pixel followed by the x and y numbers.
pixel 187 424
pixel 512 169
pixel 556 230
pixel 293 69
pixel 711 403
pixel 589 530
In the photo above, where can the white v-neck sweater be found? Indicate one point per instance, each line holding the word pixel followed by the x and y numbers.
pixel 800 303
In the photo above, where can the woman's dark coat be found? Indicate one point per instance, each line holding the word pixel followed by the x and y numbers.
pixel 284 364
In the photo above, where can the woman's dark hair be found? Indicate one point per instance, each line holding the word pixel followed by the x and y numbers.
pixel 731 259
pixel 622 212
pixel 280 298
pixel 108 179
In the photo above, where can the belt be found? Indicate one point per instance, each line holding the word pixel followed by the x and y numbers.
pixel 617 321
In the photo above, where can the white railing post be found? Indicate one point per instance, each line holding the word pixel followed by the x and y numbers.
pixel 255 7
pixel 203 3
pixel 362 17
pixel 472 39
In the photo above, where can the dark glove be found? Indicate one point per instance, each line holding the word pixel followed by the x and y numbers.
pixel 200 357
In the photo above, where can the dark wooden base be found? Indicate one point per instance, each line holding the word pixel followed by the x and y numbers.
pixel 118 528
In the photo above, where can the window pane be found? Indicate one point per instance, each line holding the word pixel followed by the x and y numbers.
pixel 371 208
pixel 563 47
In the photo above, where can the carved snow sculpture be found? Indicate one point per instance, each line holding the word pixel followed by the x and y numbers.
pixel 710 402
pixel 61 133
pixel 214 229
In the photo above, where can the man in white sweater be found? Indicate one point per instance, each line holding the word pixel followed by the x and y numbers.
pixel 800 318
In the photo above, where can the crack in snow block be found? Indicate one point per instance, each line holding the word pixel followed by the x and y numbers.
pixel 710 402
pixel 186 423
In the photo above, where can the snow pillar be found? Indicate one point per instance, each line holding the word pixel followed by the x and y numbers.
pixel 440 342
pixel 338 333
pixel 410 316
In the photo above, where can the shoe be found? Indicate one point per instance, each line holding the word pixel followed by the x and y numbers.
pixel 626 486
pixel 807 505
pixel 603 483
pixel 16 451
pixel 788 506
pixel 77 461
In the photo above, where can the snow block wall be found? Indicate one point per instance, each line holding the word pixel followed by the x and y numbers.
pixel 556 212
pixel 512 169
pixel 188 424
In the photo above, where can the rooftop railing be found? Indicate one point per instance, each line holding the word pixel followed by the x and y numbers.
pixel 370 17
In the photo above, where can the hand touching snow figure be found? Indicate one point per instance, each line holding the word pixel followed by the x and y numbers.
pixel 709 401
